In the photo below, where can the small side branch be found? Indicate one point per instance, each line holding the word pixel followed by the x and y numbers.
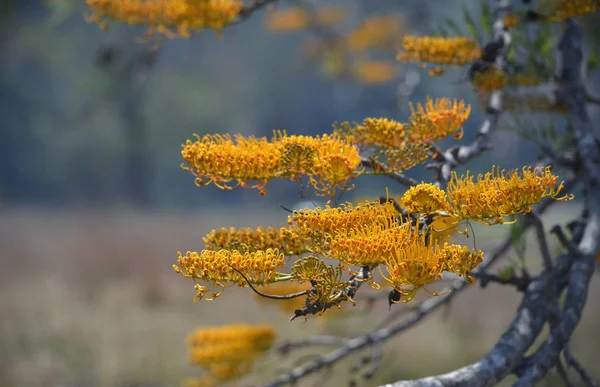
pixel 455 156
pixel 383 170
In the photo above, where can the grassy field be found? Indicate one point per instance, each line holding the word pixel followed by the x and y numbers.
pixel 90 299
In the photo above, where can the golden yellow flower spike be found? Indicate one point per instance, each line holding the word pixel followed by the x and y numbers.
pixel 456 51
pixel 172 17
pixel 249 240
pixel 496 195
pixel 216 268
pixel 228 352
pixel 424 199
pixel 413 265
pixel 437 119
pixel 561 10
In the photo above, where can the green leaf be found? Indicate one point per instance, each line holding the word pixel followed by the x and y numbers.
pixel 455 28
pixel 470 22
pixel 507 273
pixel 442 32
pixel 593 61
pixel 486 19
pixel 547 46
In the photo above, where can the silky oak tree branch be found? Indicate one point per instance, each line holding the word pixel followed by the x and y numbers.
pixel 461 154
pixel 252 7
pixel 396 176
pixel 380 335
pixel 573 97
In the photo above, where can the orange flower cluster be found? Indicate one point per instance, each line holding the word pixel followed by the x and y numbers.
pixel 320 224
pixel 415 263
pixel 424 199
pixel 418 264
pixel 222 268
pixel 493 79
pixel 329 161
pixel 457 51
pixel 402 146
pixel 229 352
pixel 511 20
pixel 376 32
pixel 531 101
pixel 437 119
pixel 496 195
pixel 373 236
pixel 166 16
pixel 250 240
pixel 294 19
pixel 375 71
pixel 561 10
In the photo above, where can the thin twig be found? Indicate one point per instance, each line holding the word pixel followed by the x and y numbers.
pixel 271 296
pixel 383 170
pixel 573 362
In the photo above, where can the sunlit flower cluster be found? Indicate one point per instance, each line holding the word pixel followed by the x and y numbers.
pixel 329 161
pixel 171 17
pixel 561 10
pixel 222 268
pixel 321 223
pixel 495 196
pixel 456 51
pixel 437 119
pixel 460 260
pixel 249 240
pixel 228 352
pixel 424 199
pixel 402 146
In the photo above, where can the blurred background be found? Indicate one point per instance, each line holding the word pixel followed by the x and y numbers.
pixel 94 206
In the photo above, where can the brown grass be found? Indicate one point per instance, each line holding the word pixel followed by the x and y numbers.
pixel 90 299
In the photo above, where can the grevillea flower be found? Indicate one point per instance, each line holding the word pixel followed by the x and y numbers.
pixel 493 79
pixel 228 352
pixel 182 16
pixel 329 161
pixel 285 20
pixel 372 72
pixel 496 195
pixel 456 51
pixel 561 10
pixel 216 268
pixel 294 19
pixel 489 80
pixel 378 132
pixel 424 199
pixel 336 164
pixel 459 260
pixel 437 118
pixel 221 160
pixel 249 240
pixel 297 152
pixel 511 20
pixel 413 265
pixel 319 224
pixel 531 101
pixel 376 32
pixel 366 244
